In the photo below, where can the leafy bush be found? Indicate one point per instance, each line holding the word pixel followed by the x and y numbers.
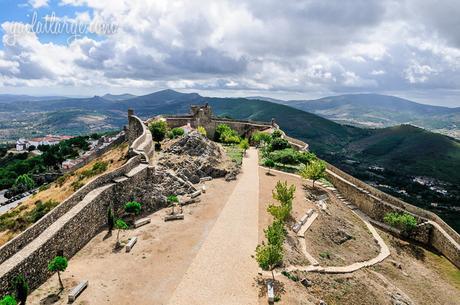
pixel 177 132
pixel 279 144
pixel 77 184
pixel 268 256
pixel 21 288
pixel 259 137
pixel 25 182
pixel 227 135
pixel 173 198
pixel 244 144
pixel 290 276
pixel 325 254
pixel 285 156
pixel 41 209
pixel 8 300
pixel 276 134
pixel 279 212
pixel 158 129
pixel 202 131
pixel 403 221
pixel 97 168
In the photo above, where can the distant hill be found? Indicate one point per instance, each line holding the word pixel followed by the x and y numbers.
pixel 118 97
pixel 400 153
pixel 374 110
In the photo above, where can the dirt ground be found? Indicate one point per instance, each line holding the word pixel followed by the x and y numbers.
pixel 150 273
pixel 411 273
pixel 338 237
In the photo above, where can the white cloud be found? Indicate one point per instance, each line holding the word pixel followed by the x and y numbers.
pixel 329 46
pixel 38 3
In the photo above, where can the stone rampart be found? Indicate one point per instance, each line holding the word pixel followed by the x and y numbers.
pixel 73 223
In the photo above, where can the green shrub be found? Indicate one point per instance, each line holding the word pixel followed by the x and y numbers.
pixel 285 156
pixel 227 135
pixel 402 221
pixel 173 198
pixel 244 144
pixel 284 193
pixel 279 144
pixel 268 256
pixel 97 168
pixel 158 129
pixel 41 209
pixel 261 137
pixel 24 182
pixel 77 184
pixel 202 131
pixel 21 288
pixel 314 170
pixel 290 276
pixel 177 132
pixel 325 255
pixel 276 134
pixel 8 300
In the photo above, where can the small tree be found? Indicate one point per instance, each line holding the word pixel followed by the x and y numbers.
pixel 120 225
pixel 158 129
pixel 58 264
pixel 21 288
pixel 110 219
pixel 269 163
pixel 284 193
pixel 275 233
pixel 8 300
pixel 244 145
pixel 268 257
pixel 279 212
pixel 202 131
pixel 24 182
pixel 314 170
pixel 133 208
pixel 276 134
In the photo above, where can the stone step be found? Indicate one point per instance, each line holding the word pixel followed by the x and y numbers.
pixel 77 290
pixel 174 217
pixel 132 241
pixel 140 222
pixel 120 179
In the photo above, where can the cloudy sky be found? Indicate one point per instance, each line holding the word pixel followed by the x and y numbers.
pixel 281 49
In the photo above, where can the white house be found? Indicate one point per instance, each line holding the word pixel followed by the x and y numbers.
pixel 23 144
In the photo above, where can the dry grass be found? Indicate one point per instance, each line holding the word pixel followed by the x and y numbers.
pixel 61 191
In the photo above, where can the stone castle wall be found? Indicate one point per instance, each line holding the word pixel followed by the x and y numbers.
pixel 202 116
pixel 73 223
pixel 431 230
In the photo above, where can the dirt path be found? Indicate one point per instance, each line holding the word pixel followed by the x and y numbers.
pixel 223 271
pixel 150 273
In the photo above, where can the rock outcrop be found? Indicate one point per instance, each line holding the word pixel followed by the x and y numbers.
pixel 194 156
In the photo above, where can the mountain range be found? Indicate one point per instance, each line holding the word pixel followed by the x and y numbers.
pixel 375 110
pixel 389 158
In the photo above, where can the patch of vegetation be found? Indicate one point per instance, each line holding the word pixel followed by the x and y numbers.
pixel 314 170
pixel 120 224
pixel 290 276
pixel 402 221
pixel 291 156
pixel 17 220
pixel 98 168
pixel 235 153
pixel 8 300
pixel 133 208
pixel 202 131
pixel 325 255
pixel 159 130
pixel 176 132
pixel 225 134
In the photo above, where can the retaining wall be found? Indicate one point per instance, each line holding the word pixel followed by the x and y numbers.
pixel 431 229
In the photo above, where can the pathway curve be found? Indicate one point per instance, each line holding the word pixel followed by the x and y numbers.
pixel 223 271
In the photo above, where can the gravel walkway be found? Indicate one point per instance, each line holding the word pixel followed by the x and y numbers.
pixel 223 271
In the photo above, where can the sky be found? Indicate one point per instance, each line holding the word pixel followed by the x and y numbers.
pixel 281 49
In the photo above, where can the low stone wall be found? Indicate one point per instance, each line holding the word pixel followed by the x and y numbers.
pixel 431 230
pixel 97 153
pixel 140 138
